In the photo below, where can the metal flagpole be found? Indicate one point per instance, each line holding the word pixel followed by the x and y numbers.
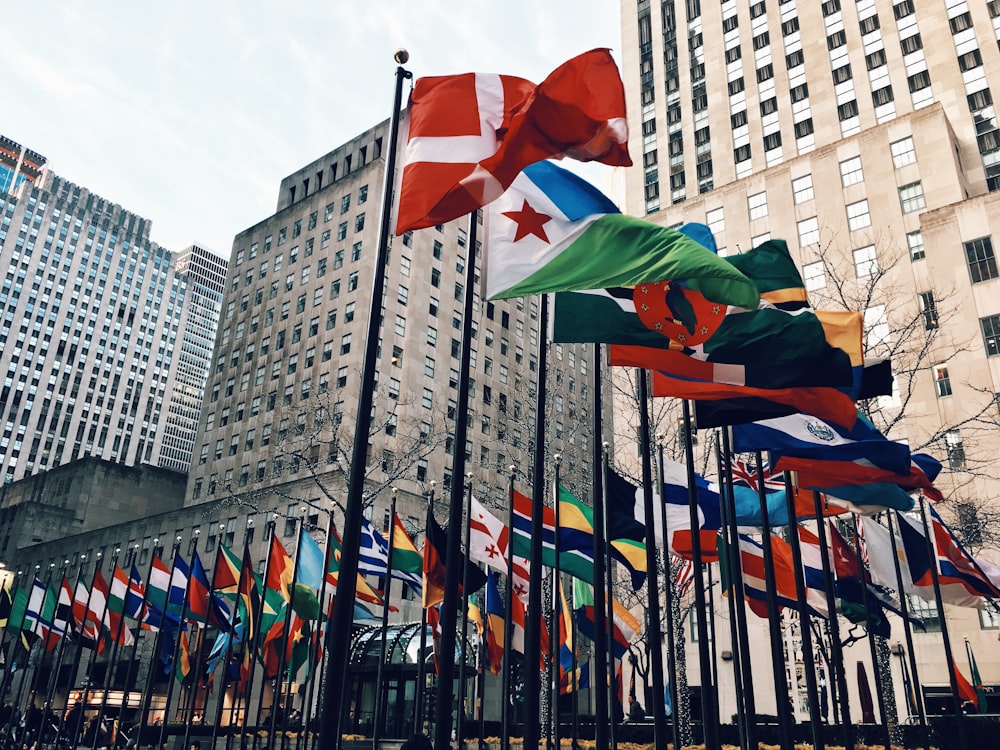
pixel 805 629
pixel 463 630
pixel 270 529
pixel 932 556
pixel 343 609
pixel 708 717
pixel 734 590
pixel 380 672
pixel 452 578
pixel 836 648
pixel 871 640
pixel 508 623
pixel 576 682
pixel 172 674
pixel 418 702
pixel 907 629
pixel 533 624
pixel 668 602
pixel 147 691
pixel 609 614
pixel 600 663
pixel 319 650
pixel 654 637
pixel 57 665
pixel 555 644
pixel 710 616
pixel 783 702
pixel 113 656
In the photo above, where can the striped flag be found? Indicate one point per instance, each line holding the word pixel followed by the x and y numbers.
pixel 374 557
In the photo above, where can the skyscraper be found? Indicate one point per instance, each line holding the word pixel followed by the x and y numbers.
pixel 18 165
pixel 864 133
pixel 93 328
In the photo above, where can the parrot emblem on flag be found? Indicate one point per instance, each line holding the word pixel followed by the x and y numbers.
pixel 677 312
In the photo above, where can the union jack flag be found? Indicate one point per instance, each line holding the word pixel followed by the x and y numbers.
pixel 746 474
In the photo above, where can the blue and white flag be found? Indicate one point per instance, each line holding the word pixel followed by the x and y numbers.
pixel 374 557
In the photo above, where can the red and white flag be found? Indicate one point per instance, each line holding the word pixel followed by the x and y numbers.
pixel 471 134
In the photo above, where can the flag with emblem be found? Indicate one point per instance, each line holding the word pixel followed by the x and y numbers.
pixel 470 135
pixel 488 538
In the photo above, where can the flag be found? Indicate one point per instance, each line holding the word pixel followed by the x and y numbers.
pixel 471 134
pixel 626 524
pixel 435 546
pixel 575 538
pixel 475 615
pixel 158 588
pixel 733 404
pixel 954 590
pixel 117 594
pixel 247 605
pixel 553 232
pixel 5 606
pixel 801 436
pixel 624 627
pixel 279 569
pixel 754 582
pixel 977 680
pixel 675 496
pixel 746 495
pixel 203 605
pixel 362 589
pixel 374 557
pixel 405 555
pixel 226 575
pixel 966 693
pixel 183 668
pixel 64 606
pixel 308 578
pixel 488 538
pixel 519 619
pixel 572 675
pixel 861 482
pixel 178 584
pixel 957 564
pixel 495 619
pixel 761 344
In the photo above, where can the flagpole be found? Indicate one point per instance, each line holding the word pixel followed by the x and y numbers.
pixel 463 630
pixel 871 639
pixel 973 669
pixel 343 609
pixel 668 603
pixel 57 666
pixel 113 656
pixel 418 703
pixel 654 636
pixel 317 656
pixel 575 700
pixel 783 703
pixel 172 675
pixel 276 692
pixel 33 692
pixel 508 623
pixel 270 529
pixel 379 685
pixel 708 717
pixel 554 637
pixel 609 612
pixel 98 627
pixel 600 672
pixel 147 692
pixel 907 629
pixel 193 690
pixel 742 681
pixel 836 647
pixel 446 666
pixel 533 624
pixel 932 557
pixel 805 629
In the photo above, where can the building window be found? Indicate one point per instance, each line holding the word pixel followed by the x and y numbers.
pixel 850 171
pixel 989 620
pixel 980 259
pixel 924 612
pixel 858 216
pixel 956 451
pixel 911 197
pixel 716 221
pixel 918 81
pixel 942 381
pixel 802 189
pixel 903 152
pixel 928 309
pixel 814 275
pixel 808 231
pixel 991 334
pixel 847 110
pixel 915 242
pixel 865 261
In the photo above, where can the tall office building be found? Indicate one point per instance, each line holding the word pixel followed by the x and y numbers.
pixel 864 133
pixel 18 165
pixel 95 317
pixel 281 397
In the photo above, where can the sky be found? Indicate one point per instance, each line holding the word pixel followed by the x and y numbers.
pixel 189 113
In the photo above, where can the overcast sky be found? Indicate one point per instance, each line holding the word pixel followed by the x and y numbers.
pixel 189 113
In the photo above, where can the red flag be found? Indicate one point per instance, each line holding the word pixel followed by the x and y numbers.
pixel 966 693
pixel 471 134
pixel 280 569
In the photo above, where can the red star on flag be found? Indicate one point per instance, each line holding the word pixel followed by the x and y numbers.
pixel 529 221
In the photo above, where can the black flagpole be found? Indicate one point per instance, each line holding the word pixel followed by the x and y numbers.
pixel 907 630
pixel 342 619
pixel 654 637
pixel 783 703
pixel 668 604
pixel 871 641
pixel 508 623
pixel 600 671
pixel 555 644
pixel 708 712
pixel 805 628
pixel 463 630
pixel 738 646
pixel 836 647
pixel 932 556
pixel 533 624
pixel 452 578
pixel 147 691
pixel 380 672
pixel 609 613
pixel 418 703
